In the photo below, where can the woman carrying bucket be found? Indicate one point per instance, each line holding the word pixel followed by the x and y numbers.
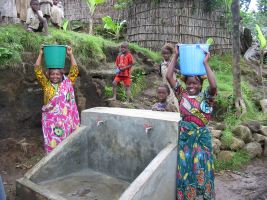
pixel 60 115
pixel 195 168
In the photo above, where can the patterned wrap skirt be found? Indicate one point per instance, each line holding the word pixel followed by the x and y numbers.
pixel 195 167
pixel 60 116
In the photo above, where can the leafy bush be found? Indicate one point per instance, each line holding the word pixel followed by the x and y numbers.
pixel 108 91
pixel 138 79
pixel 138 84
pixel 113 28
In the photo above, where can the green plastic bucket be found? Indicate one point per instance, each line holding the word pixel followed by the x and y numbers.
pixel 54 56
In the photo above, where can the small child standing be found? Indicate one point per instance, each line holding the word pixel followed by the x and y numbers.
pixel 166 52
pixel 57 15
pixel 35 21
pixel 124 63
pixel 163 92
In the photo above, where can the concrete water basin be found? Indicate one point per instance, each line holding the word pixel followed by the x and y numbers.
pixel 117 153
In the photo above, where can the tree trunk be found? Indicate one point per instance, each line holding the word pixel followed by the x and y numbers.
pixel 90 28
pixel 260 67
pixel 239 102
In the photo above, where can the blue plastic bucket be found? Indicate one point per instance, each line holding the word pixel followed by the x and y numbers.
pixel 191 59
pixel 54 56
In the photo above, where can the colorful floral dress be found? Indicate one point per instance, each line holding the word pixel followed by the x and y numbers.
pixel 195 168
pixel 60 115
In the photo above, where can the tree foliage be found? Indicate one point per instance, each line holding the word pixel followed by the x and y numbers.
pixel 122 4
pixel 92 4
pixel 262 6
pixel 244 4
pixel 114 28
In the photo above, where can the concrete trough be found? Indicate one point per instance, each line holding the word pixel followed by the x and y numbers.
pixel 117 153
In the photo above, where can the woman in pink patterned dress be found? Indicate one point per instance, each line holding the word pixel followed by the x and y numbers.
pixel 60 115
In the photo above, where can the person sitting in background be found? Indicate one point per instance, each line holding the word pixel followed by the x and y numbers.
pixel 22 7
pixel 46 8
pixel 163 92
pixel 60 5
pixel 35 21
pixel 56 15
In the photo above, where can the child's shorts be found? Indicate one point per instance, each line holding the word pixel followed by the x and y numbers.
pixel 126 80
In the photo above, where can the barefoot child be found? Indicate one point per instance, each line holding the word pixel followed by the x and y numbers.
pixel 166 52
pixel 60 116
pixel 124 63
pixel 163 92
pixel 195 170
pixel 35 21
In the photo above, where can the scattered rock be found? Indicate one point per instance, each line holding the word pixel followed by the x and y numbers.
pixel 263 122
pixel 220 126
pixel 216 133
pixel 265 148
pixel 243 132
pixel 237 144
pixel 263 131
pixel 225 155
pixel 216 144
pixel 253 125
pixel 254 149
pixel 259 138
pixel 263 104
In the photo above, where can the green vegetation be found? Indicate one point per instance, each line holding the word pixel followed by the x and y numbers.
pixel 89 50
pixel 239 159
pixel 138 84
pixel 226 112
pixel 92 4
pixel 222 66
pixel 155 56
pixel 114 28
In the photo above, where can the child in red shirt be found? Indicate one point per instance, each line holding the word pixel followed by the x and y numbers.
pixel 124 63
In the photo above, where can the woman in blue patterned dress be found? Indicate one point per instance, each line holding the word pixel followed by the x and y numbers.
pixel 195 168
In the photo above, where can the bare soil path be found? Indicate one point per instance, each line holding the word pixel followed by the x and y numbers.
pixel 249 183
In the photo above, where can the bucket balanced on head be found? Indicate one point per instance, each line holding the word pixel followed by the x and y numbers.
pixel 54 56
pixel 191 59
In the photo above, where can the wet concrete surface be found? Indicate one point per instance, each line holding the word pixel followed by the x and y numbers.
pixel 249 183
pixel 87 184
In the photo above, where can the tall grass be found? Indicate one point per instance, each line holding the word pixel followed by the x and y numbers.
pixel 88 49
pixel 239 159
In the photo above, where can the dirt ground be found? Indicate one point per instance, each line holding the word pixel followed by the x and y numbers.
pixel 249 183
pixel 19 155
